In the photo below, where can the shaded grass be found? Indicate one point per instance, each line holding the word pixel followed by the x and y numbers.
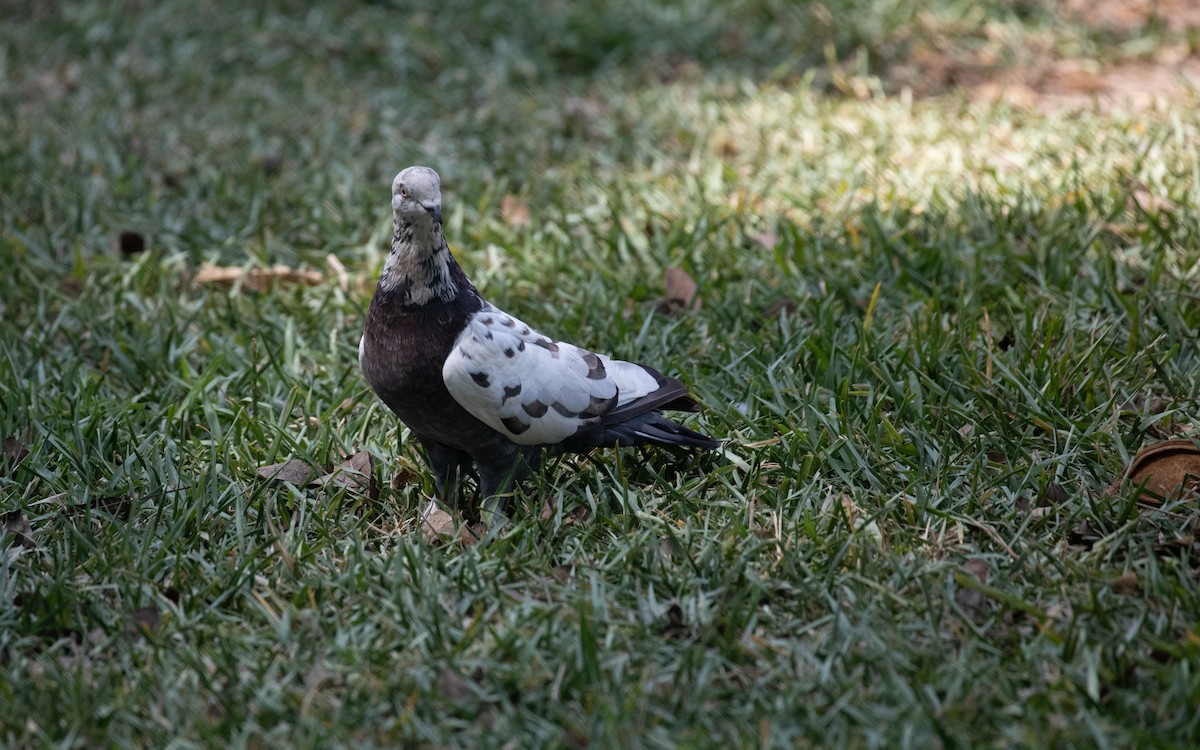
pixel 984 321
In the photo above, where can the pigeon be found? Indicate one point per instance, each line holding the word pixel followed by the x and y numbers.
pixel 482 391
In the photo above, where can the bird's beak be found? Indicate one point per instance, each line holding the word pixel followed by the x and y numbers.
pixel 435 211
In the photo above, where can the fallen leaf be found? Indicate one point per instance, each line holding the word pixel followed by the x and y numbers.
pixel 254 279
pixel 271 164
pixel 437 524
pixel 514 210
pixel 679 293
pixel 1052 494
pixel 1176 546
pixel 767 240
pixel 14 453
pixel 118 505
pixel 1083 534
pixel 131 243
pixel 779 308
pixel 15 525
pixel 675 626
pixel 679 288
pixel 402 476
pixel 144 621
pixel 294 472
pixel 453 686
pixel 1165 471
pixel 356 473
pixel 969 600
pixel 1126 583
pixel 71 287
pixel 1151 203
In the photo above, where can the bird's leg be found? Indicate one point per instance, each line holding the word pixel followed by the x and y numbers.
pixel 497 478
pixel 448 465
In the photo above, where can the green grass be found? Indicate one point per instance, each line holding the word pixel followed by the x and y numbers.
pixel 988 311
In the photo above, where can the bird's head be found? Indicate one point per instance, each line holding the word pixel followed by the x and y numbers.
pixel 417 195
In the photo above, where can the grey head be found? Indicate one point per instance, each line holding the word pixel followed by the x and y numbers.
pixel 417 196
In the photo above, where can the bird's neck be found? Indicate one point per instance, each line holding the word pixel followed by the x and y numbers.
pixel 419 270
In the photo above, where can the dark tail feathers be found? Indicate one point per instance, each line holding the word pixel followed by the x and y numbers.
pixel 652 427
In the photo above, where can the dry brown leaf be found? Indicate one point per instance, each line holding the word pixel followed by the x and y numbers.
pixel 15 525
pixel 294 472
pixel 1052 494
pixel 1167 470
pixel 402 476
pixel 437 524
pixel 780 307
pixel 255 279
pixel 144 621
pixel 680 289
pixel 453 686
pixel 514 210
pixel 679 293
pixel 13 453
pixel 356 473
pixel 1126 583
pixel 1151 203
pixel 118 504
pixel 767 240
pixel 675 625
pixel 972 601
pixel 1176 546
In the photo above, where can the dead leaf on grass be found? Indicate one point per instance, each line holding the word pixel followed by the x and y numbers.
pixel 679 293
pixel 356 473
pixel 453 686
pixel 402 476
pixel 119 505
pixel 14 453
pixel 1165 471
pixel 1126 583
pixel 254 279
pixel 439 526
pixel 1151 203
pixel 675 625
pixel 144 621
pixel 1176 546
pixel 514 210
pixel 15 526
pixel 780 307
pixel 1052 494
pixel 294 472
pixel 969 600
pixel 766 240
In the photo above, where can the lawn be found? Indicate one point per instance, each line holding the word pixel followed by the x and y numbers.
pixel 948 269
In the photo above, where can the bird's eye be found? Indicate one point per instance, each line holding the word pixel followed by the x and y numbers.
pixel 404 192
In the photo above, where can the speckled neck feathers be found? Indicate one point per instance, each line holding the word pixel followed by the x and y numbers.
pixel 419 270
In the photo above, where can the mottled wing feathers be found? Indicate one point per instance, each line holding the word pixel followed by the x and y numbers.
pixel 535 390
